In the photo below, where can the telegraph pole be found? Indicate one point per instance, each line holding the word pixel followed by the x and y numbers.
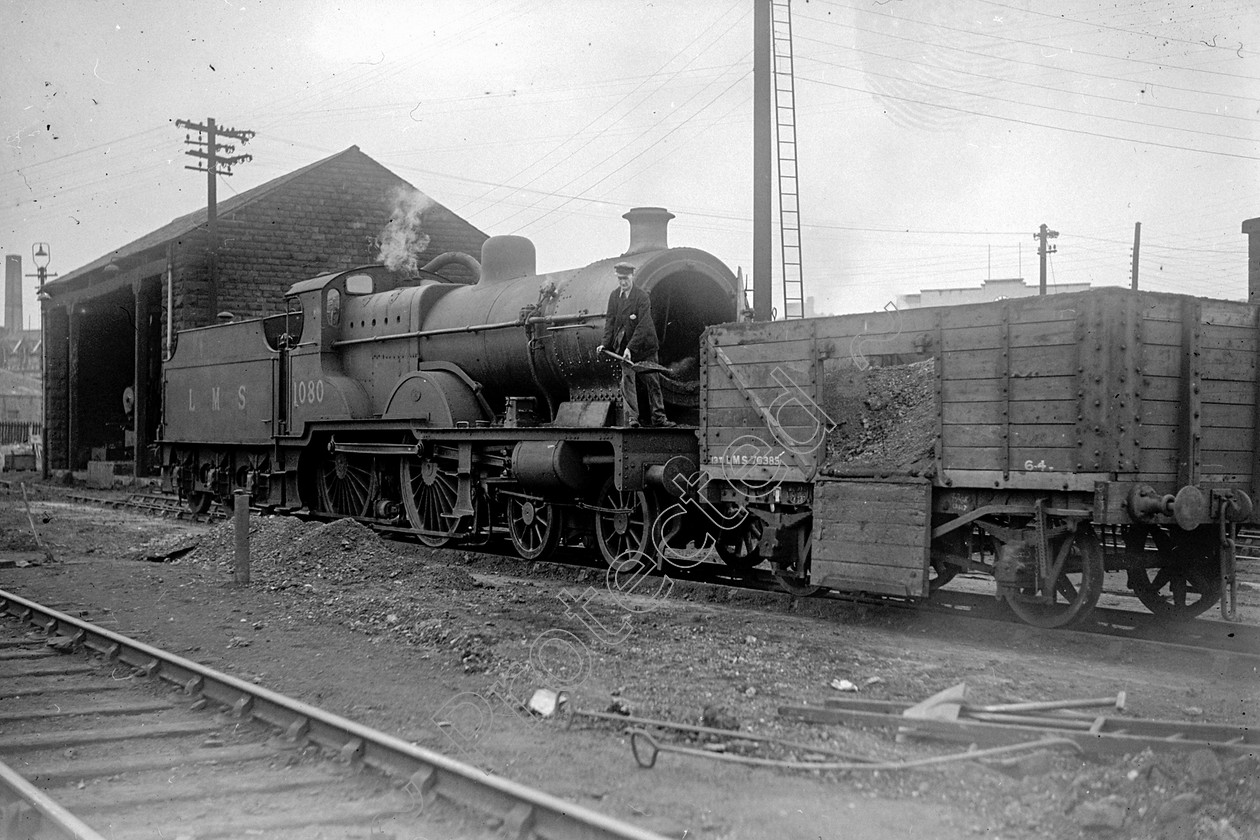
pixel 208 151
pixel 1137 243
pixel 763 185
pixel 1041 236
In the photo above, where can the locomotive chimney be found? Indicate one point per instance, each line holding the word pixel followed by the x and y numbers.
pixel 1251 227
pixel 647 229
pixel 506 258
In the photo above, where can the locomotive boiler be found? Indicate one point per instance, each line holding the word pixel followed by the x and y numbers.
pixel 444 408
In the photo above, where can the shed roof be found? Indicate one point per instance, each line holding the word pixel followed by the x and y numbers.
pixel 190 222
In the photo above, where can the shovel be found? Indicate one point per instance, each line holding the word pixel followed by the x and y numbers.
pixel 642 367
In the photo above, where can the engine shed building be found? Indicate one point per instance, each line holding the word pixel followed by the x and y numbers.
pixel 109 324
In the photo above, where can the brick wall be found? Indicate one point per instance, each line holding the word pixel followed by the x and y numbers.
pixel 326 219
pixel 55 377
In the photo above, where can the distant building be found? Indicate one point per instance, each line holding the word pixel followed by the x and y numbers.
pixel 989 290
pixel 20 352
pixel 21 399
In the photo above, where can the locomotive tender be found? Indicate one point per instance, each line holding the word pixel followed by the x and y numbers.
pixel 1068 435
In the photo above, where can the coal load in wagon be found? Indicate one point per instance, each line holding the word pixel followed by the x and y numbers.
pixel 886 420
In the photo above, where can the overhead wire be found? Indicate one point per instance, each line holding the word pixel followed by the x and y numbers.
pixel 656 123
pixel 1013 81
pixel 600 117
pixel 1158 37
pixel 1034 124
pixel 1008 59
pixel 1162 65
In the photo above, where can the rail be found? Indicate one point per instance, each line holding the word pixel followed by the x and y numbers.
pixel 1233 645
pixel 429 773
pixel 26 811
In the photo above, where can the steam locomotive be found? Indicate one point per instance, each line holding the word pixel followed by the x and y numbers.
pixel 449 409
pixel 1061 437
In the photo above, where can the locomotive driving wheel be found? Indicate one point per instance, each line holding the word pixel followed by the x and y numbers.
pixel 1186 583
pixel 347 484
pixel 429 494
pixel 534 526
pixel 623 524
pixel 1075 581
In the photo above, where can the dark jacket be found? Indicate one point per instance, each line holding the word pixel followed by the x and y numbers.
pixel 629 324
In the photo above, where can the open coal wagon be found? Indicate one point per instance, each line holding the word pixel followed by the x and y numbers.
pixel 1044 441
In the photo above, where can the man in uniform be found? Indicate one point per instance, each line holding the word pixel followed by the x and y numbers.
pixel 631 335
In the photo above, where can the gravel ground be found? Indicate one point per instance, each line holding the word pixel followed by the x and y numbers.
pixel 415 641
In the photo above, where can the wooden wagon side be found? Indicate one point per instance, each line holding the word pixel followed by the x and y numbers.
pixel 1104 413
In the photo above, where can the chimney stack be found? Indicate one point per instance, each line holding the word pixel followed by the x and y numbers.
pixel 12 293
pixel 647 229
pixel 1251 227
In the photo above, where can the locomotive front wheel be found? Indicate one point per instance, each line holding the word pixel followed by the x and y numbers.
pixel 1187 582
pixel 623 525
pixel 1075 590
pixel 534 527
pixel 347 484
pixel 429 495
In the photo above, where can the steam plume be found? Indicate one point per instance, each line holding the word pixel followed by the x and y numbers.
pixel 402 240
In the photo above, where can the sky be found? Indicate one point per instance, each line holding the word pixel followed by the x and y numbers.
pixel 933 137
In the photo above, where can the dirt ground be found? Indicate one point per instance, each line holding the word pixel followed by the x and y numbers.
pixel 443 647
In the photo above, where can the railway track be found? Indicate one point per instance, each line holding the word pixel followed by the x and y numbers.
pixel 1218 639
pixel 131 741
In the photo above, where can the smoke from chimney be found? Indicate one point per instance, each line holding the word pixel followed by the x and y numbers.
pixel 403 241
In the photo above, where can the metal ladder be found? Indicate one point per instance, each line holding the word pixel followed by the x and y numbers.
pixel 785 127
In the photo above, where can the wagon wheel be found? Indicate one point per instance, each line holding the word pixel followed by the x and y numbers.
pixel 623 524
pixel 534 526
pixel 429 495
pixel 940 572
pixel 1076 588
pixel 1187 582
pixel 738 546
pixel 347 484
